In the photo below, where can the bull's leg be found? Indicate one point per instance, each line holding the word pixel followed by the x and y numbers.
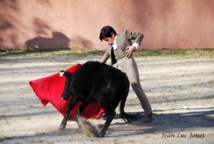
pixel 81 108
pixel 110 112
pixel 80 111
pixel 69 108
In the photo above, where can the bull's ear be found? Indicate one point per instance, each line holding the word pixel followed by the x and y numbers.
pixel 62 73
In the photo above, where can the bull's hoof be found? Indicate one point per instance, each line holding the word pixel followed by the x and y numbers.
pixel 62 127
pixel 100 135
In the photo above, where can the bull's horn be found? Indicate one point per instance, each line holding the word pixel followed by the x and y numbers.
pixel 61 73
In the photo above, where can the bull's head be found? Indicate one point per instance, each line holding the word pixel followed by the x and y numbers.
pixel 67 89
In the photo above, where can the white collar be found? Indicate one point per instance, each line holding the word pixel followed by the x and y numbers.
pixel 115 44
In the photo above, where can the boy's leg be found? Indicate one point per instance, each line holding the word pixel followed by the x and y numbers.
pixel 129 66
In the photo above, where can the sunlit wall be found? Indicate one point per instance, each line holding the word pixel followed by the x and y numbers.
pixel 42 24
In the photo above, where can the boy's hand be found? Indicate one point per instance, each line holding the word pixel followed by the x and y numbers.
pixel 129 50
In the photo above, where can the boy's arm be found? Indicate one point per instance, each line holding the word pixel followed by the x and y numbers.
pixel 105 57
pixel 133 36
pixel 138 37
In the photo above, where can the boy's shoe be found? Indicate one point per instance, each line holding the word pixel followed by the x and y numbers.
pixel 148 118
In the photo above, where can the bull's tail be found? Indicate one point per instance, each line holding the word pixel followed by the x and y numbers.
pixel 126 117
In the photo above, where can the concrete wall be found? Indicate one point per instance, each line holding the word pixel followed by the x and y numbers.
pixel 45 24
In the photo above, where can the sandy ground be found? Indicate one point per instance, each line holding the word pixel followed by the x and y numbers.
pixel 181 92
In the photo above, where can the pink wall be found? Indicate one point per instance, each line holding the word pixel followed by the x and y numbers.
pixel 76 23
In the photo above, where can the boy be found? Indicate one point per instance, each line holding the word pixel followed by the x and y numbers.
pixel 120 51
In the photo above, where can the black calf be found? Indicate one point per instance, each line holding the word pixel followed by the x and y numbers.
pixel 99 83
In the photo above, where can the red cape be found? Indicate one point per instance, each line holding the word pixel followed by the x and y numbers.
pixel 50 89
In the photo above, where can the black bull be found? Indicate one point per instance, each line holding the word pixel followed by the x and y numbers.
pixel 99 83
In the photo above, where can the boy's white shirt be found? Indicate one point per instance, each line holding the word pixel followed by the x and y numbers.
pixel 136 45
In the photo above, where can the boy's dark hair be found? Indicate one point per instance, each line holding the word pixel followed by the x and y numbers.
pixel 106 32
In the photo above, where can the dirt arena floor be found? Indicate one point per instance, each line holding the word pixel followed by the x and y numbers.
pixel 181 92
